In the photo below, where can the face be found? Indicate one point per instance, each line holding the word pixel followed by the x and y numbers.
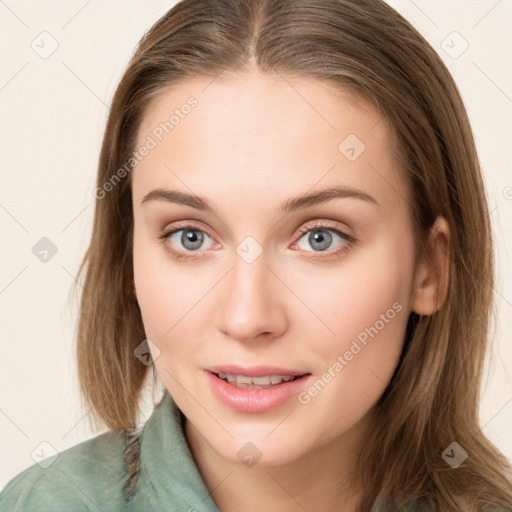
pixel 276 321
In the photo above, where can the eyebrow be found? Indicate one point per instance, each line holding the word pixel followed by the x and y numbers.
pixel 290 205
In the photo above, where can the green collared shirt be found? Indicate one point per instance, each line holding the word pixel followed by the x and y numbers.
pixel 92 475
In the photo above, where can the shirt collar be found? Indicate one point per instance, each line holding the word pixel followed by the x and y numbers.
pixel 167 460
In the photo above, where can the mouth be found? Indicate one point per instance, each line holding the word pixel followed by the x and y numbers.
pixel 255 390
pixel 263 382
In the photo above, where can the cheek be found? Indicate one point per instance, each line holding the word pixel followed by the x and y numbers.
pixel 158 289
pixel 367 307
pixel 370 290
pixel 169 296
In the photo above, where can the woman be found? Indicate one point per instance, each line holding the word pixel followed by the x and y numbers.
pixel 291 227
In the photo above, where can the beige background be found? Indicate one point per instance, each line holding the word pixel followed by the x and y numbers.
pixel 52 119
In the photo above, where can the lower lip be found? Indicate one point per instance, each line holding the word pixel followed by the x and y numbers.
pixel 255 400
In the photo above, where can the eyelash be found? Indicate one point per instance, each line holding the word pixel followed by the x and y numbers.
pixel 317 225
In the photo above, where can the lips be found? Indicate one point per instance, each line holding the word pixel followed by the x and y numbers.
pixel 257 389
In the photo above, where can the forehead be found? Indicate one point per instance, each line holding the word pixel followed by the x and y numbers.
pixel 253 133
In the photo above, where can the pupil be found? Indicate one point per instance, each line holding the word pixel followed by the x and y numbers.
pixel 192 237
pixel 319 237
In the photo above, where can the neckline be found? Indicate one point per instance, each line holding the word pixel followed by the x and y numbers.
pixel 166 458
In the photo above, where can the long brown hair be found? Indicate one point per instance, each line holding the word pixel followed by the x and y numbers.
pixel 369 48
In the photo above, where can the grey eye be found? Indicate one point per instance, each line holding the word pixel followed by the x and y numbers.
pixel 319 239
pixel 190 239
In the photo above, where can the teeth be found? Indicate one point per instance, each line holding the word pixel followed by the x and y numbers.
pixel 242 379
pixel 262 381
pixel 245 382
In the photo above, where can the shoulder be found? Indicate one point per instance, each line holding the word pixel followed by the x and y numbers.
pixel 88 476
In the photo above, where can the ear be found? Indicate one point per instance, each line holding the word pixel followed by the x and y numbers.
pixel 433 275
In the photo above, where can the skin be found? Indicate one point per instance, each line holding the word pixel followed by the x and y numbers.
pixel 252 142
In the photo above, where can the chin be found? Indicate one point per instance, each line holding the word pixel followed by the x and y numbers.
pixel 261 449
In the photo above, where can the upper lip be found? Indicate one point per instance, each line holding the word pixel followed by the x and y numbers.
pixel 254 371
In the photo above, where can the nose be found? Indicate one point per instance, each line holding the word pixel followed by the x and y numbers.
pixel 251 302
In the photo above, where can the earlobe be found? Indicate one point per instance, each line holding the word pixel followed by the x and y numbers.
pixel 433 274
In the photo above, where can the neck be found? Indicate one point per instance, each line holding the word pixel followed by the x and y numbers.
pixel 319 481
